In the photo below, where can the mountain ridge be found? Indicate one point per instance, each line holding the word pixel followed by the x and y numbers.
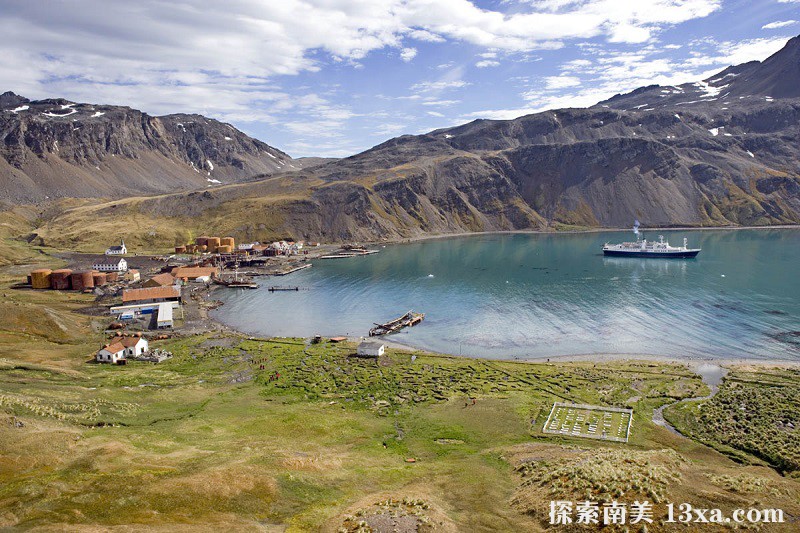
pixel 56 148
pixel 717 152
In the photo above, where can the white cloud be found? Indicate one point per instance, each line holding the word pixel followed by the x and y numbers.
pixel 442 103
pixel 733 53
pixel 389 129
pixel 438 86
pixel 484 63
pixel 612 72
pixel 435 114
pixel 407 54
pixel 423 35
pixel 778 24
pixel 561 82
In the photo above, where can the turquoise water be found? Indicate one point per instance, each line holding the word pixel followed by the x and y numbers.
pixel 537 296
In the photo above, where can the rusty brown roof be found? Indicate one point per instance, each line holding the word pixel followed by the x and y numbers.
pixel 114 348
pixel 194 272
pixel 163 279
pixel 125 341
pixel 150 293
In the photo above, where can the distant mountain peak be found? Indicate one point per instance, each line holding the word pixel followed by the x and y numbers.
pixel 778 76
pixel 11 99
pixel 55 148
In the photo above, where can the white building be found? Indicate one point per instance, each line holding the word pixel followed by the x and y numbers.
pixel 133 345
pixel 120 348
pixel 164 317
pixel 370 349
pixel 116 264
pixel 117 250
pixel 111 353
pixel 280 247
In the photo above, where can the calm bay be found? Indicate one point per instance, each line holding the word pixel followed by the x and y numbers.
pixel 536 296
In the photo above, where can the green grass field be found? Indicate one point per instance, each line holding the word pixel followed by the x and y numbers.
pixel 755 413
pixel 277 434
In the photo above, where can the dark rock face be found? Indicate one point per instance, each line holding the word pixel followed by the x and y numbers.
pixel 56 148
pixel 717 152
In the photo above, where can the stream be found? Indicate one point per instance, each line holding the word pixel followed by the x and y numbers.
pixel 712 376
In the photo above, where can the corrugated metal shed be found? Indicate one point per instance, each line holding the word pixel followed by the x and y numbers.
pixel 164 317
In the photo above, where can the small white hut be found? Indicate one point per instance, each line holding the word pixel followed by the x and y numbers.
pixel 370 349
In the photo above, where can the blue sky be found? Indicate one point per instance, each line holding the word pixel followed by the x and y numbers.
pixel 334 77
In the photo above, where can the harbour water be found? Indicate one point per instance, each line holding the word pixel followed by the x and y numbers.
pixel 535 296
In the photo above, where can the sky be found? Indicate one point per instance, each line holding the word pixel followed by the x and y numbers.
pixel 335 77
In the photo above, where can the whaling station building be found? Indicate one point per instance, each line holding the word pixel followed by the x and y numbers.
pixel 160 300
pixel 121 347
pixel 116 264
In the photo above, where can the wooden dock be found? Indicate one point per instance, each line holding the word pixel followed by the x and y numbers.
pixel 349 253
pixel 295 269
pixel 393 326
pixel 277 289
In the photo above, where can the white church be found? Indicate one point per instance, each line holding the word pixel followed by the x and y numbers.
pixel 117 250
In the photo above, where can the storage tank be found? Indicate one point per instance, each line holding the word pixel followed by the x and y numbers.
pixel 201 240
pixel 224 249
pixel 99 278
pixel 112 276
pixel 82 280
pixel 40 278
pixel 180 249
pixel 228 241
pixel 191 248
pixel 203 247
pixel 59 279
pixel 213 243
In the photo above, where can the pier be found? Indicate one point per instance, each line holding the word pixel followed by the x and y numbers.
pixel 350 252
pixel 295 269
pixel 393 326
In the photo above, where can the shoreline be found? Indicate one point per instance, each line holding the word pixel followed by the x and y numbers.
pixel 603 357
pixel 419 238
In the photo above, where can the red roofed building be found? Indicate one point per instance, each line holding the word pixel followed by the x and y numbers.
pixel 111 353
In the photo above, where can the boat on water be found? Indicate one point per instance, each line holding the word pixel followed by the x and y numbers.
pixel 644 248
pixel 393 326
pixel 236 282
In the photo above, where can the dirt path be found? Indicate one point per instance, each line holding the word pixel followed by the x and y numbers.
pixel 712 376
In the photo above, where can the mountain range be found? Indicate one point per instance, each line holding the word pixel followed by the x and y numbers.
pixel 717 152
pixel 60 149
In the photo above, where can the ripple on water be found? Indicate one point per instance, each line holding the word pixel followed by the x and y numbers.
pixel 538 296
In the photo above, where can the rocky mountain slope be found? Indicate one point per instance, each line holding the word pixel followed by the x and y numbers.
pixel 721 151
pixel 57 148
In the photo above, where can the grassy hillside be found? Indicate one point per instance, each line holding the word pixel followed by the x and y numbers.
pixel 253 434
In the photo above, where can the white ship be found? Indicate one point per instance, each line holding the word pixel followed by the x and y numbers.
pixel 645 248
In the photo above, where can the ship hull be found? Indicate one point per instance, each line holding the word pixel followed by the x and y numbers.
pixel 687 254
